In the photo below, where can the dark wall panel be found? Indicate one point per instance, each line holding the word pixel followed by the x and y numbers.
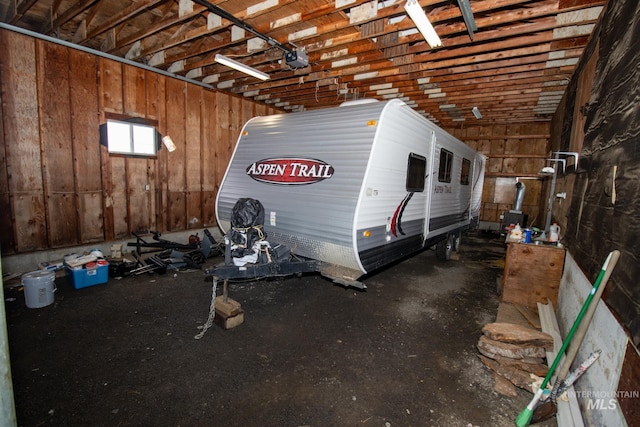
pixel 605 208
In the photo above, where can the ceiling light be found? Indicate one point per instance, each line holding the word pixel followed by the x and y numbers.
pixel 241 67
pixel 416 13
pixel 476 113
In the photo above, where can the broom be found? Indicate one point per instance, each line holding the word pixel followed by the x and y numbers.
pixel 541 412
pixel 524 418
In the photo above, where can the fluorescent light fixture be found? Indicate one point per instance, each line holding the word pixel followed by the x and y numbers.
pixel 241 67
pixel 476 113
pixel 416 13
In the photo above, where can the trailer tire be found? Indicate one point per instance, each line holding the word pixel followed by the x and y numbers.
pixel 444 248
pixel 456 241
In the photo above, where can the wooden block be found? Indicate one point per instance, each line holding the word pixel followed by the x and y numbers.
pixel 229 307
pixel 508 313
pixel 516 334
pixel 531 316
pixel 532 274
pixel 228 322
pixel 229 313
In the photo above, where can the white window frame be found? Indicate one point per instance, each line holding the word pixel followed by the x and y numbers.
pixel 133 139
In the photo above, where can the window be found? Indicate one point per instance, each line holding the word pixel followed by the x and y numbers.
pixel 464 174
pixel 446 160
pixel 124 137
pixel 416 171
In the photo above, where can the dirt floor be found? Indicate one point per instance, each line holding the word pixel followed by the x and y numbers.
pixel 309 353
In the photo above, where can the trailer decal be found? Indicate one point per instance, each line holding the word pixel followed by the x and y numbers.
pixel 396 220
pixel 290 171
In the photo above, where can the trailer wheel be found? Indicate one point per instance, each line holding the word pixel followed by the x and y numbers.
pixel 444 248
pixel 456 241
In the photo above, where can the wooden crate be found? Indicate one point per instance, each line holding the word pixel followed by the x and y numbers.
pixel 532 274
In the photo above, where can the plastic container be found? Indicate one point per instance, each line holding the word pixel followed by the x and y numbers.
pixel 94 275
pixel 39 287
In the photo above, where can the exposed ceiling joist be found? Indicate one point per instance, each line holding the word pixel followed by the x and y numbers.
pixel 505 56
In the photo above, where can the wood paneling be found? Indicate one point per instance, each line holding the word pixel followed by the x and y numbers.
pixel 106 196
pixel 160 168
pixel 56 143
pixel 6 222
pixel 22 142
pixel 134 91
pixel 209 165
pixel 62 188
pixel 176 183
pixel 629 386
pixel 138 197
pixel 224 144
pixel 193 161
pixel 118 196
pixel 512 151
pixel 85 145
pixel 532 274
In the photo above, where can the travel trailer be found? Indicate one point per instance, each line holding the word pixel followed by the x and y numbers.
pixel 355 187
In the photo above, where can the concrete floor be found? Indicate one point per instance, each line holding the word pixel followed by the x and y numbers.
pixel 309 353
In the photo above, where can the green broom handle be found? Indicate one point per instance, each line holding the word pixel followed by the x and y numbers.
pixel 578 337
pixel 576 323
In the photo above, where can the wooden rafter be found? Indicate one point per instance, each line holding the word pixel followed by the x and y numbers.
pixel 521 58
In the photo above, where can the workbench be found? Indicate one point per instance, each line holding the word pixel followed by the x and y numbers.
pixel 532 273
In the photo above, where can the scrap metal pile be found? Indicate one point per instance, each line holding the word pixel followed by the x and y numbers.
pixel 160 255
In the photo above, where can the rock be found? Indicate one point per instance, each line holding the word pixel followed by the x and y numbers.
pixel 518 377
pixel 517 334
pixel 531 365
pixel 504 386
pixel 491 347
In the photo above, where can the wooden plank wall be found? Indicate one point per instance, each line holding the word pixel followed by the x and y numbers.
pixel 59 187
pixel 512 151
pixel 63 189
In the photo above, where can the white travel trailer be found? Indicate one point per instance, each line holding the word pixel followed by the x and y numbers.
pixel 355 187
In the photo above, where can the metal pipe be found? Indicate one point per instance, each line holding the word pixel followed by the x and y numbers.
pixel 519 198
pixel 239 23
pixel 552 192
pixel 101 54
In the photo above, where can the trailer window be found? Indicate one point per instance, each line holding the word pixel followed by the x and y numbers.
pixel 464 175
pixel 416 171
pixel 446 160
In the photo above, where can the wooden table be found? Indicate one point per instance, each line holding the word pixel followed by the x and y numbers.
pixel 532 274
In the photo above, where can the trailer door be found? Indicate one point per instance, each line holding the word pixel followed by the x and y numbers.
pixel 428 184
